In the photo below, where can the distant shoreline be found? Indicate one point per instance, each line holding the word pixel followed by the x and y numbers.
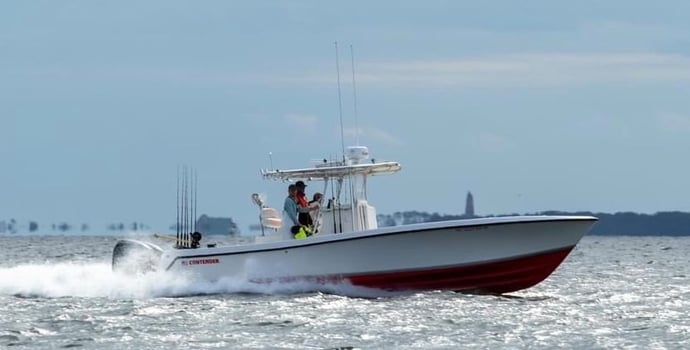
pixel 665 223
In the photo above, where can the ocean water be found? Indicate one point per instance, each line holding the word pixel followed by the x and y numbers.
pixel 611 293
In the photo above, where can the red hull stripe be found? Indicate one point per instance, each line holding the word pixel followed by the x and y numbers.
pixel 494 277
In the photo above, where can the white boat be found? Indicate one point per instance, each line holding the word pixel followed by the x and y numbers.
pixel 482 255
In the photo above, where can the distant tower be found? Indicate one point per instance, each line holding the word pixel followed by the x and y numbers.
pixel 469 205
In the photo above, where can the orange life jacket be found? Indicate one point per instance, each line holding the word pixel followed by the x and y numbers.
pixel 302 199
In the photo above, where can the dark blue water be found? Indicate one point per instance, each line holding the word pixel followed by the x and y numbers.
pixel 611 292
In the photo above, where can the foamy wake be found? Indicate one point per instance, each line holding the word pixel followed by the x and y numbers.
pixel 98 280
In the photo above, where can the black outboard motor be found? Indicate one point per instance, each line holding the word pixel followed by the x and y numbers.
pixel 131 256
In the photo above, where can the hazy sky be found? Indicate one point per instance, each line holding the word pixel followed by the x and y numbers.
pixel 531 105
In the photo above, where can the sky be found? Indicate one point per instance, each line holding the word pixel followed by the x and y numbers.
pixel 530 105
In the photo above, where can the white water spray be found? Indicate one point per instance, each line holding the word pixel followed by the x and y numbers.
pixel 97 280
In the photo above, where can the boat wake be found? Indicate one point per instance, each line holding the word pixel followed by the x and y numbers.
pixel 97 280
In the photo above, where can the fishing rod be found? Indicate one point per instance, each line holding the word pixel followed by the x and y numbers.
pixel 340 207
pixel 177 210
pixel 185 204
pixel 194 197
pixel 182 211
pixel 331 203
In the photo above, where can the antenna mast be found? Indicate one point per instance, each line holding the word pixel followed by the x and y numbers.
pixel 354 94
pixel 340 101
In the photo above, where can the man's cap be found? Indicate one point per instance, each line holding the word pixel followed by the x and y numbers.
pixel 300 183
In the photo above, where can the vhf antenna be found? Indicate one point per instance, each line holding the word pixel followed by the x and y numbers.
pixel 354 94
pixel 340 101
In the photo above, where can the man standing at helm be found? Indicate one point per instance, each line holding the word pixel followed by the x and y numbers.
pixel 290 205
pixel 302 204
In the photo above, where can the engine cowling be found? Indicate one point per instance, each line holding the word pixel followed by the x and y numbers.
pixel 132 256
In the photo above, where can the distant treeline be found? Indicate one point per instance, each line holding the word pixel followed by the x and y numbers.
pixel 206 224
pixel 12 226
pixel 671 223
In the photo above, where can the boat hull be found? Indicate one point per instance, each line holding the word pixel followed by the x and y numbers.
pixel 494 255
pixel 495 277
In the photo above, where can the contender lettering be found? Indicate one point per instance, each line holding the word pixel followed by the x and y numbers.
pixel 200 261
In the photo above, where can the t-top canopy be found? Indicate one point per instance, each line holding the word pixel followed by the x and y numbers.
pixel 329 172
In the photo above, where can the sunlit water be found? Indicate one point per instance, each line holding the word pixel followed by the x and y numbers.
pixel 611 292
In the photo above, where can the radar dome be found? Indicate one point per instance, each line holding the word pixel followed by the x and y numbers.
pixel 356 154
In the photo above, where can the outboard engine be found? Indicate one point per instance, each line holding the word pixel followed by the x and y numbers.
pixel 131 256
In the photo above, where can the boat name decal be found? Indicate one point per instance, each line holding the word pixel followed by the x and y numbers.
pixel 200 261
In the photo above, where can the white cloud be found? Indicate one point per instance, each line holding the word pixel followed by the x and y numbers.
pixel 537 69
pixel 492 142
pixel 304 122
pixel 353 132
pixel 374 134
pixel 674 122
pixel 497 70
pixel 522 69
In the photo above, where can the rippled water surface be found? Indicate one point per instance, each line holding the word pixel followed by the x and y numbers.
pixel 611 292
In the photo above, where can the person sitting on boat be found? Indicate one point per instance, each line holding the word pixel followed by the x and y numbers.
pixel 300 231
pixel 302 204
pixel 196 239
pixel 314 208
pixel 290 206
